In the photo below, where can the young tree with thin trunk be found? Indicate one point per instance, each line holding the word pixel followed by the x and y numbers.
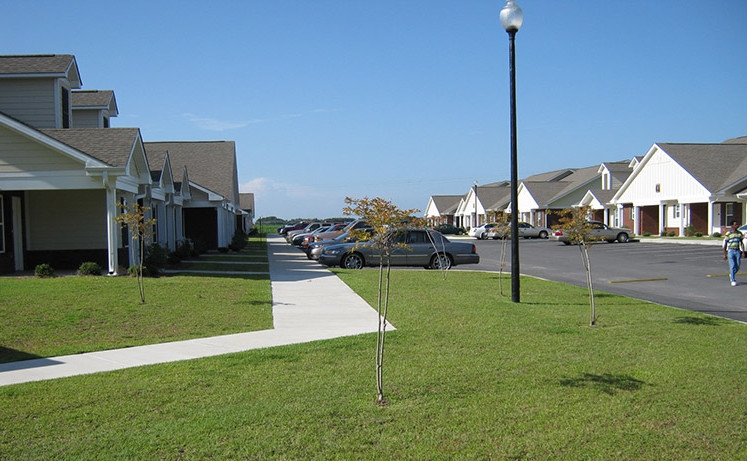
pixel 140 229
pixel 384 218
pixel 575 225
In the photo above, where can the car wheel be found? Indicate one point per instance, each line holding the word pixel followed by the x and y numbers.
pixel 622 237
pixel 352 261
pixel 483 236
pixel 441 261
pixel 542 235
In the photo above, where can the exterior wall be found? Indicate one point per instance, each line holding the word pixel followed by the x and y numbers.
pixel 627 215
pixel 66 220
pixel 674 184
pixel 649 216
pixel 31 100
pixel 19 154
pixel 699 217
pixel 87 119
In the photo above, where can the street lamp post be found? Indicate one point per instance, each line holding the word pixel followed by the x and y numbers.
pixel 511 19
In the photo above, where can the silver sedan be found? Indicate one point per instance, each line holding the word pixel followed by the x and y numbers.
pixel 526 231
pixel 599 231
pixel 414 247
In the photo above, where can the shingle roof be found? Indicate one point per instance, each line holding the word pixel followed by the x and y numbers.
pixel 98 99
pixel 494 196
pixel 59 65
pixel 446 204
pixel 211 164
pixel 716 166
pixel 112 146
pixel 246 201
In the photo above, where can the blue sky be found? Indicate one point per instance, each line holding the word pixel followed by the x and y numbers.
pixel 401 99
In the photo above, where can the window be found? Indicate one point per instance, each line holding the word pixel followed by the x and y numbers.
pixel 2 226
pixel 676 211
pixel 65 107
pixel 728 214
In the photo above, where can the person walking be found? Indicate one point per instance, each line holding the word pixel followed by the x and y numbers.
pixel 734 251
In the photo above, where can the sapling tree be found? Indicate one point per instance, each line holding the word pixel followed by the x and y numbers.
pixel 384 219
pixel 503 229
pixel 140 229
pixel 575 226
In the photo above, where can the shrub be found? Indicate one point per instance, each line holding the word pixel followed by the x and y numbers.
pixel 647 234
pixel 223 249
pixel 89 268
pixel 184 249
pixel 698 234
pixel 717 234
pixel 239 241
pixel 690 231
pixel 132 271
pixel 200 247
pixel 44 271
pixel 671 234
pixel 156 258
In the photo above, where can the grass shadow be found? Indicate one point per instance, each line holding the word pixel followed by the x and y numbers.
pixel 692 320
pixel 607 383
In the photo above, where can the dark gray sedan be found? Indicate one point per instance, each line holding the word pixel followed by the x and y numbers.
pixel 416 247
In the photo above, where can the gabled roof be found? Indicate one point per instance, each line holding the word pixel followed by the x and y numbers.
pixel 544 191
pixel 211 164
pixel 739 140
pixel 113 146
pixel 495 195
pixel 446 204
pixel 718 167
pixel 557 175
pixel 246 201
pixel 41 65
pixel 95 99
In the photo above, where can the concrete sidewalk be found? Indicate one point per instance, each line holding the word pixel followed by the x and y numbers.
pixel 309 303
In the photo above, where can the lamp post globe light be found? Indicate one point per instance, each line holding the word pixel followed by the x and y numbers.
pixel 511 19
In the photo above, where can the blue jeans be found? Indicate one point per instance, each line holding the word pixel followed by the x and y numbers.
pixel 735 259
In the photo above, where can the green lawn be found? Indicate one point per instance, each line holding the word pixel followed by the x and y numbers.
pixel 468 375
pixel 69 315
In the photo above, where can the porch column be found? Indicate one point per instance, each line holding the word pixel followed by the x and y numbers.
pixel 662 217
pixel 637 220
pixel 710 218
pixel 682 208
pixel 112 226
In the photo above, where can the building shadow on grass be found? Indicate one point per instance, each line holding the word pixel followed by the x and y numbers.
pixel 607 383
pixel 8 355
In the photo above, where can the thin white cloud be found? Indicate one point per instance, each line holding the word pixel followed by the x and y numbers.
pixel 214 124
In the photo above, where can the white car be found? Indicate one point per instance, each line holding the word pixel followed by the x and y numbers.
pixel 526 231
pixel 481 232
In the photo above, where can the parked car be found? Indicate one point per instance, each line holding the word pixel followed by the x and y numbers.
pixel 314 250
pixel 600 231
pixel 526 231
pixel 333 232
pixel 424 247
pixel 449 229
pixel 298 238
pixel 291 227
pixel 481 232
pixel 311 227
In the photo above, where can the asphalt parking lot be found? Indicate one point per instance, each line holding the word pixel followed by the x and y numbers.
pixel 692 277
